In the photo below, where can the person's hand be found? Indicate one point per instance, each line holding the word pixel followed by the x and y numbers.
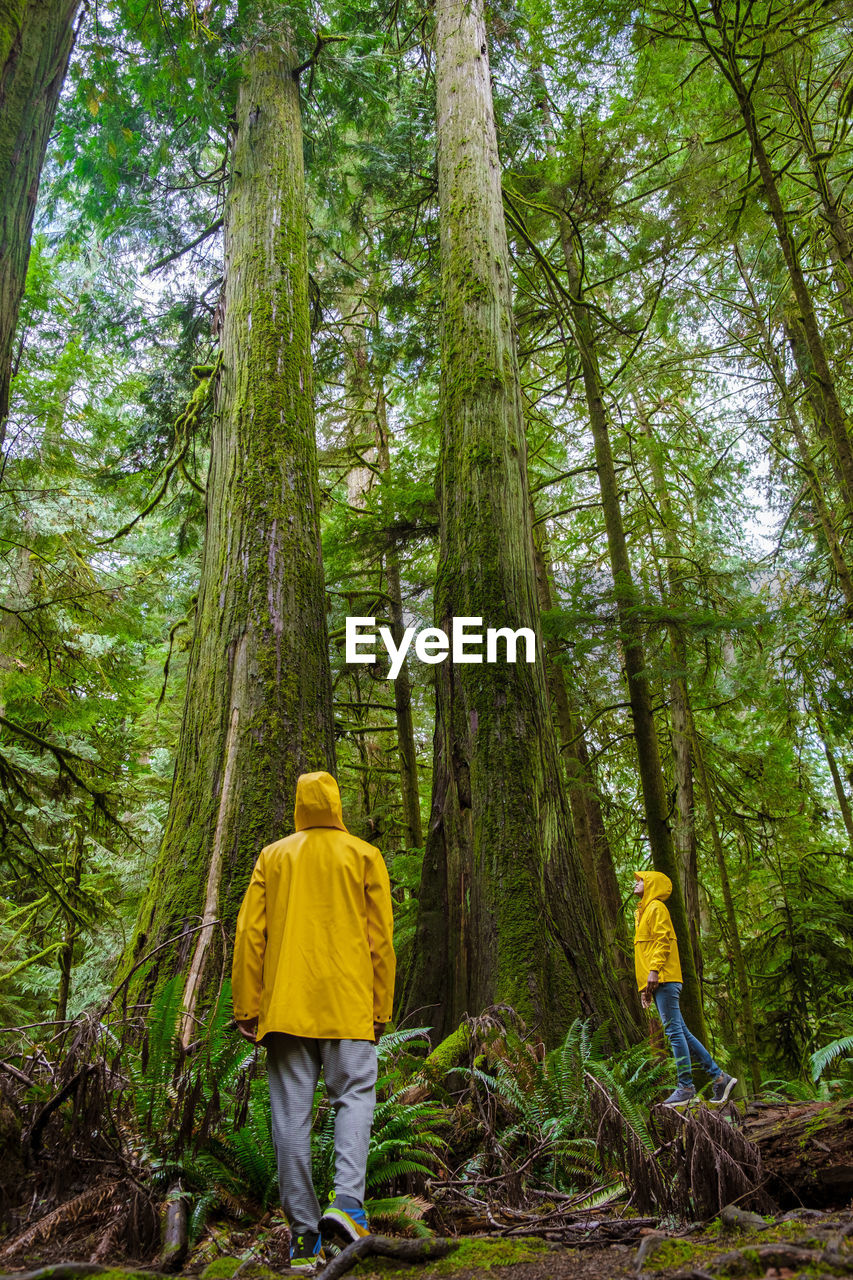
pixel 653 982
pixel 248 1028
pixel 378 1031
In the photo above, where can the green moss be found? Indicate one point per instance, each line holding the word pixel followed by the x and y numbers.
pixel 117 1273
pixel 485 1254
pixel 220 1269
pixel 479 1254
pixel 449 1053
pixel 681 1253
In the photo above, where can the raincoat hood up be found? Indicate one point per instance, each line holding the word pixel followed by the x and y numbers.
pixel 655 946
pixel 313 955
pixel 318 802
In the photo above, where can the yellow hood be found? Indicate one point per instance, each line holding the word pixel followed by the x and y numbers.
pixel 318 802
pixel 655 946
pixel 655 885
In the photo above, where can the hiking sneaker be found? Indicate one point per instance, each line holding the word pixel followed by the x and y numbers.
pixel 722 1087
pixel 343 1226
pixel 306 1254
pixel 681 1096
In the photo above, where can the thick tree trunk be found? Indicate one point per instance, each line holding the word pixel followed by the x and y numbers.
pixel 639 694
pixel 259 702
pixel 36 37
pixel 505 911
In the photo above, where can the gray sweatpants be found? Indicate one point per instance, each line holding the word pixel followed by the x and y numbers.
pixel 293 1068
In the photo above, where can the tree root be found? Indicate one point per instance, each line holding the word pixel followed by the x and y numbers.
pixel 386 1247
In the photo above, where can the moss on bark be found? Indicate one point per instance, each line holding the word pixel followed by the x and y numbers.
pixel 505 910
pixel 258 706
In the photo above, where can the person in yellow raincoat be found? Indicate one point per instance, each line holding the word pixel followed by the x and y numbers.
pixel 313 978
pixel 658 971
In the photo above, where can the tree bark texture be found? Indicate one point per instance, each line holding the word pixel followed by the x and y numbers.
pixel 805 1152
pixel 259 702
pixel 36 37
pixel 505 910
pixel 639 695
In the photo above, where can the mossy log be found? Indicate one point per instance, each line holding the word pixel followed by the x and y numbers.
pixel 806 1151
pixel 386 1247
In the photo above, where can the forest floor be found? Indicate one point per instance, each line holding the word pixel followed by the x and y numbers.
pixel 811 1244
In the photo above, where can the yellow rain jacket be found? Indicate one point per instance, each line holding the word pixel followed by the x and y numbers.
pixel 655 946
pixel 313 955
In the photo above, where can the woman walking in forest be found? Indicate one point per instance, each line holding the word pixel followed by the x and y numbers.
pixel 658 970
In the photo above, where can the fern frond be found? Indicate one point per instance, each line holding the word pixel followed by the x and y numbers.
pixel 822 1058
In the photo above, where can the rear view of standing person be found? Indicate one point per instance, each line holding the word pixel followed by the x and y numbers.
pixel 658 970
pixel 313 978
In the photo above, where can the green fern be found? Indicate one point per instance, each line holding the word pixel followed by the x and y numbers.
pixel 821 1059
pixel 403 1214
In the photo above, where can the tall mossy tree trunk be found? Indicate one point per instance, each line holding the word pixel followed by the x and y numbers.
pixel 259 700
pixel 36 37
pixel 505 910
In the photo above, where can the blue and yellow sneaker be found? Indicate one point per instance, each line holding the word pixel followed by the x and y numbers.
pixel 306 1254
pixel 343 1226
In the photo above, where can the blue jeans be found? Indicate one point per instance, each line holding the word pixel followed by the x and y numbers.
pixel 682 1042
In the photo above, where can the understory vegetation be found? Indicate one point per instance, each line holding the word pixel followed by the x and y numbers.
pixel 490 1124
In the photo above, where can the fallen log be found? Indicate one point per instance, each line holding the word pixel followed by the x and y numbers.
pixel 806 1151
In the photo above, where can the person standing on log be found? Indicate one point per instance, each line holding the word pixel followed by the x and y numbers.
pixel 658 971
pixel 313 978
